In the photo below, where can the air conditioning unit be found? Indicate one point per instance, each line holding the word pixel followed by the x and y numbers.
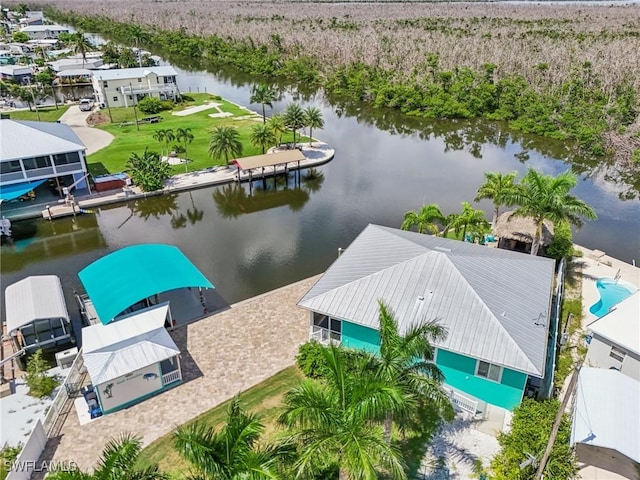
pixel 65 358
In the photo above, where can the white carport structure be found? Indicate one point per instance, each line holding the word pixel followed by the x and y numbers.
pixel 131 359
pixel 606 424
pixel 36 313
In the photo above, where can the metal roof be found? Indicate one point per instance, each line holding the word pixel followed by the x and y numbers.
pixel 129 275
pixel 34 298
pixel 269 159
pixel 494 303
pixel 134 342
pixel 27 139
pixel 127 73
pixel 606 413
pixel 622 324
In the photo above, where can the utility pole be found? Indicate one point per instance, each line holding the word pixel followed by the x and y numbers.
pixel 556 424
pixel 134 100
pixel 106 100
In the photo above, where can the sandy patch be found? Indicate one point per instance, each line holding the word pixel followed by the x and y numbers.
pixel 199 108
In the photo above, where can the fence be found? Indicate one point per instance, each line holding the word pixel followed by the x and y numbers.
pixel 464 403
pixel 26 462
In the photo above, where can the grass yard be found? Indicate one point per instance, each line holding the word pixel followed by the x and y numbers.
pixel 265 399
pixel 129 139
pixel 47 114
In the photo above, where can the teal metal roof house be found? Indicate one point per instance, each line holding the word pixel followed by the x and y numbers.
pixel 495 305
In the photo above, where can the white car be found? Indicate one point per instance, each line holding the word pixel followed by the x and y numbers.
pixel 86 105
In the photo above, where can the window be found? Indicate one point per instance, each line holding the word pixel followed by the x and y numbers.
pixel 66 158
pixel 489 371
pixel 617 354
pixel 37 162
pixel 10 167
pixel 105 84
pixel 139 80
pixel 115 99
pixel 331 326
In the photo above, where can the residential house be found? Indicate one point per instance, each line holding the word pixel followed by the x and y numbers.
pixel 34 152
pixel 16 73
pixel 495 304
pixel 76 63
pixel 37 32
pixel 32 18
pixel 606 425
pixel 126 86
pixel 614 339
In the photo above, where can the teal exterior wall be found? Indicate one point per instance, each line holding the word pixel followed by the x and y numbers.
pixel 459 372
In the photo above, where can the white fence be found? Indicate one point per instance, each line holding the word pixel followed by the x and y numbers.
pixel 171 377
pixel 28 457
pixel 464 403
pixel 324 336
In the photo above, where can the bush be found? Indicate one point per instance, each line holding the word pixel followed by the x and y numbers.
pixel 148 171
pixel 8 455
pixel 40 384
pixel 313 364
pixel 154 105
pixel 562 244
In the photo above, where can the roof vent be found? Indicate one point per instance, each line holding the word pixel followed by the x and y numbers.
pixel 442 249
pixel 420 298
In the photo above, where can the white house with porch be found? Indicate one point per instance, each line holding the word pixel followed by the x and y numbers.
pixel 126 86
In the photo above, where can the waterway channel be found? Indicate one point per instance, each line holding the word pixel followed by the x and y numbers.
pixel 385 164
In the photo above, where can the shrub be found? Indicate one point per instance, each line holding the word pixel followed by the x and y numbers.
pixel 8 455
pixel 40 384
pixel 148 171
pixel 562 244
pixel 312 362
pixel 154 105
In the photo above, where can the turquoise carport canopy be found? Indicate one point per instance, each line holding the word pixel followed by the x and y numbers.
pixel 11 192
pixel 126 277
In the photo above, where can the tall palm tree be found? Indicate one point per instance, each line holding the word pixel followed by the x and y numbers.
pixel 544 197
pixel 294 119
pixel 424 219
pixel 262 136
pixel 468 217
pixel 160 135
pixel 406 362
pixel 278 126
pixel 499 188
pixel 264 95
pixel 81 45
pixel 185 137
pixel 225 143
pixel 313 119
pixel 336 420
pixel 233 452
pixel 118 461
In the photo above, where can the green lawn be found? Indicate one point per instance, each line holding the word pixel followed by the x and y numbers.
pixel 265 399
pixel 47 114
pixel 130 139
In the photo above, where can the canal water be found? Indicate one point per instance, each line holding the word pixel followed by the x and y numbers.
pixel 385 165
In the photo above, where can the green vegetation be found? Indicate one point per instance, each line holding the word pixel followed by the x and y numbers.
pixel 562 244
pixel 47 114
pixel 8 455
pixel 426 220
pixel 148 171
pixel 225 144
pixel 312 361
pixel 530 430
pixel 40 384
pixel 154 105
pixel 574 349
pixel 499 188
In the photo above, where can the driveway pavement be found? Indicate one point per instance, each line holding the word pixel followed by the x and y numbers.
pixel 222 355
pixel 94 138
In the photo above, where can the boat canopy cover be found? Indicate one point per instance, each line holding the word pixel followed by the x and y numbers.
pixel 11 192
pixel 131 343
pixel 38 297
pixel 128 276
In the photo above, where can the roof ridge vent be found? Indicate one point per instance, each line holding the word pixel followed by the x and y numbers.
pixel 442 249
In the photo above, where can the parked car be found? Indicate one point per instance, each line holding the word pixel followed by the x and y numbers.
pixel 86 105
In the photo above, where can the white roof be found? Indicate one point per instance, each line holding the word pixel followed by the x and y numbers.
pixel 622 324
pixel 124 73
pixel 75 72
pixel 26 139
pixel 124 346
pixel 44 28
pixel 15 70
pixel 606 412
pixel 34 298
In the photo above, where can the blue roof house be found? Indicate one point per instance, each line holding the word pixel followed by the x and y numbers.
pixel 495 304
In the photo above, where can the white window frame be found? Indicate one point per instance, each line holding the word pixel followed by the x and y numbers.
pixel 617 353
pixel 501 371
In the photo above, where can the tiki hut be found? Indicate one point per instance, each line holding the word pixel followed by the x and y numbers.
pixel 517 233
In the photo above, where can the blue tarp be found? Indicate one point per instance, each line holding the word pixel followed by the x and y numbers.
pixel 128 276
pixel 11 192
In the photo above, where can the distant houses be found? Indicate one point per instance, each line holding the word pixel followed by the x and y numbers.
pixel 124 87
pixel 20 74
pixel 37 32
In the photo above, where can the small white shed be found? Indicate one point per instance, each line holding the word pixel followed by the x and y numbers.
pixel 36 313
pixel 131 359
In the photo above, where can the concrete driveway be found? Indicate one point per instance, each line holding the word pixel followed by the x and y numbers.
pixel 94 138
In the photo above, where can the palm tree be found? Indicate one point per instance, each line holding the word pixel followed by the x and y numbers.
pixel 313 119
pixel 294 119
pixel 160 135
pixel 81 45
pixel 337 421
pixel 278 126
pixel 118 460
pixel 406 362
pixel 424 219
pixel 544 197
pixel 468 217
pixel 497 187
pixel 225 143
pixel 185 137
pixel 233 452
pixel 264 95
pixel 262 136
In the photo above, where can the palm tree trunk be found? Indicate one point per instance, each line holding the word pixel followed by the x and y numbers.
pixel 535 246
pixel 264 117
pixel 495 216
pixel 294 137
pixel 310 135
pixel 387 426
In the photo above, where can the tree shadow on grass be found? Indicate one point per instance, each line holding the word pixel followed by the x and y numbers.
pixel 97 168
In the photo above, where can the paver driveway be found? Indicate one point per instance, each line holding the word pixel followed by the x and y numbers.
pixel 226 353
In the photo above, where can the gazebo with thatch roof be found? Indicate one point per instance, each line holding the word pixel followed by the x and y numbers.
pixel 517 233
